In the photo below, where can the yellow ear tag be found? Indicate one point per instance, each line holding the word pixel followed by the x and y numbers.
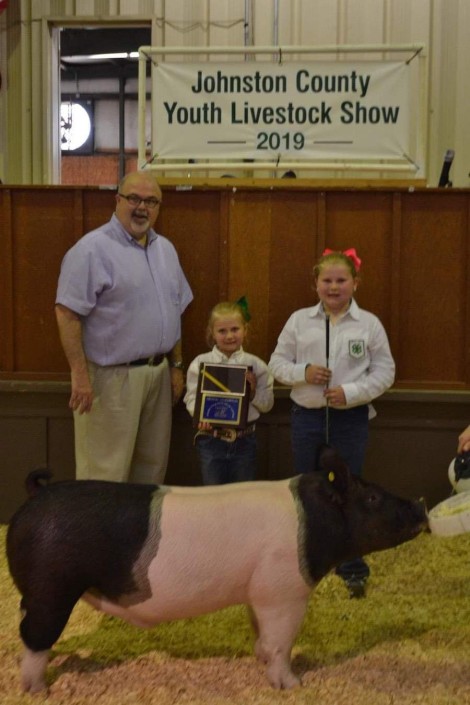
pixel 331 476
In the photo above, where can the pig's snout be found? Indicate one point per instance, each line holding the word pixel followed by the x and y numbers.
pixel 420 515
pixel 424 514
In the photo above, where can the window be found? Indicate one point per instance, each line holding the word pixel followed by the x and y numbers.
pixel 76 127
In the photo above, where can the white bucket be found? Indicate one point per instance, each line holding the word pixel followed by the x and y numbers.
pixel 452 516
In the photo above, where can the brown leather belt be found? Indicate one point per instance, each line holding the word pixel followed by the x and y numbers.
pixel 153 361
pixel 229 435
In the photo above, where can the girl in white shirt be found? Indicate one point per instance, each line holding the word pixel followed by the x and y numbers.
pixel 331 397
pixel 228 457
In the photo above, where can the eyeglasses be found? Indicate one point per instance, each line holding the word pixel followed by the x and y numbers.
pixel 136 200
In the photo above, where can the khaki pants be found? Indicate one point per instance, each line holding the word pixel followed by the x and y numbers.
pixel 126 435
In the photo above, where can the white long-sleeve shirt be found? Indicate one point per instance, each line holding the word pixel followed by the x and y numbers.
pixel 359 356
pixel 264 397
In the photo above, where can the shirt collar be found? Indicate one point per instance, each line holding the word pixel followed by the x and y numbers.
pixel 222 358
pixel 319 312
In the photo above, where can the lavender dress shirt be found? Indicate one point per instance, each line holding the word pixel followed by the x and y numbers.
pixel 130 299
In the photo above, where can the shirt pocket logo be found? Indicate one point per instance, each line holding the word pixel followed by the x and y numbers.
pixel 357 349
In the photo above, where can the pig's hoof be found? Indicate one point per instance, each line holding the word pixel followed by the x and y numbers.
pixel 33 687
pixel 33 670
pixel 356 587
pixel 284 681
pixel 291 682
pixel 260 654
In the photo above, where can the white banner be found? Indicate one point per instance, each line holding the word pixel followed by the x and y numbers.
pixel 320 110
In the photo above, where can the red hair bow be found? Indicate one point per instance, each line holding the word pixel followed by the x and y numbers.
pixel 351 253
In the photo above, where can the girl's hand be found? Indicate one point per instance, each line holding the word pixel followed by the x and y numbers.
pixel 315 374
pixel 251 379
pixel 335 396
pixel 204 426
pixel 464 440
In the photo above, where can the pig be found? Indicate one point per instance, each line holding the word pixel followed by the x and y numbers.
pixel 149 553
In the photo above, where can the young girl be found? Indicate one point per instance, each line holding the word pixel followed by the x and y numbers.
pixel 331 398
pixel 223 460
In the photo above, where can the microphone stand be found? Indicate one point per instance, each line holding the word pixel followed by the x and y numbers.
pixel 327 414
pixel 444 181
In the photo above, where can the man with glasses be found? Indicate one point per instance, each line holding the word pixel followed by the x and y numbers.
pixel 119 302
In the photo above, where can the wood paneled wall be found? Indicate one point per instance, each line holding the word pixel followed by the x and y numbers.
pixel 260 240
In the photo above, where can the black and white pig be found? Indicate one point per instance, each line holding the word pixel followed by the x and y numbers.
pixel 150 554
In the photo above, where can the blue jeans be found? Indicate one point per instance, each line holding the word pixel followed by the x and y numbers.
pixel 348 431
pixel 223 462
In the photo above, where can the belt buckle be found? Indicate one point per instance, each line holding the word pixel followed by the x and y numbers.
pixel 227 434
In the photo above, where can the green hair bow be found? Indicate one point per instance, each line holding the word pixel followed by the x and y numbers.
pixel 243 303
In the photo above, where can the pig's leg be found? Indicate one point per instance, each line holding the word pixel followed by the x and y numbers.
pixel 258 648
pixel 33 670
pixel 259 653
pixel 278 626
pixel 42 624
pixel 253 620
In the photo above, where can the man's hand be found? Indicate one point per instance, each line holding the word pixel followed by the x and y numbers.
pixel 177 384
pixel 70 332
pixel 81 398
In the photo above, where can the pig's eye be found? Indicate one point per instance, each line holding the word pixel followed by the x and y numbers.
pixel 373 499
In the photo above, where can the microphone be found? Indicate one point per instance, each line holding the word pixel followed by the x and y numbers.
pixel 444 177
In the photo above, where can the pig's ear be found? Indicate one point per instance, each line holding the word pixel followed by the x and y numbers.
pixel 334 469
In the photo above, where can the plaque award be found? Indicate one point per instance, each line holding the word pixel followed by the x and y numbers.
pixel 222 396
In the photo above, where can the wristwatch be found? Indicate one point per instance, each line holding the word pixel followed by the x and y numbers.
pixel 178 364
